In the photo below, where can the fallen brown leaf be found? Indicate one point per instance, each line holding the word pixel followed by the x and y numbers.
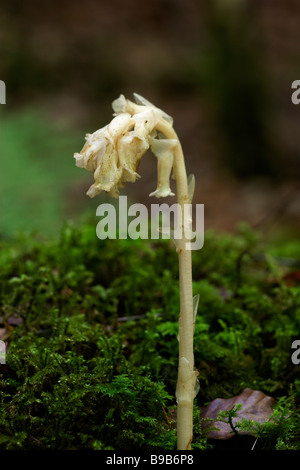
pixel 256 406
pixel 292 278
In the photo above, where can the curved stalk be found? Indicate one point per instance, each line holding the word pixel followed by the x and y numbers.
pixel 186 381
pixel 113 154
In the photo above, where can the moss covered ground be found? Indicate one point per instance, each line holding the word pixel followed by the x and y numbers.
pixel 91 335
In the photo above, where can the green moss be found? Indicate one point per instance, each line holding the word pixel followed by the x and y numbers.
pixel 92 337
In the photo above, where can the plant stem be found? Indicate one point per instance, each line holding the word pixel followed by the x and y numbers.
pixel 185 389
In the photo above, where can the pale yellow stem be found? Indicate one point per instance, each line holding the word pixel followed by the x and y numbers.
pixel 185 389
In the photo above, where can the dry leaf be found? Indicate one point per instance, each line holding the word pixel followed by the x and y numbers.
pixel 292 278
pixel 7 326
pixel 256 406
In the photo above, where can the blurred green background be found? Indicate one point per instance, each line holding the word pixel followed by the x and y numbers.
pixel 223 70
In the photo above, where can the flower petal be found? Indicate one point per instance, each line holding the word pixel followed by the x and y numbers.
pixel 79 160
pixel 191 187
pixel 164 168
pixel 162 192
pixel 161 147
pixel 91 153
pixel 93 191
pixel 107 173
pixel 145 121
pixel 163 150
pixel 119 104
pixel 142 101
pixel 123 105
pixel 131 148
pixel 119 125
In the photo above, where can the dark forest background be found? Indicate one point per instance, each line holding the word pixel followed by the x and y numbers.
pixel 223 70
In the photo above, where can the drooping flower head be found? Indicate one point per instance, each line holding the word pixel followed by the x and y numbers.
pixel 113 153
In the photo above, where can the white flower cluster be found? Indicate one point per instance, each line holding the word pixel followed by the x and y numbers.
pixel 113 153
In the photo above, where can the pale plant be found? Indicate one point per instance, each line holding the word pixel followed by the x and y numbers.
pixel 113 154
